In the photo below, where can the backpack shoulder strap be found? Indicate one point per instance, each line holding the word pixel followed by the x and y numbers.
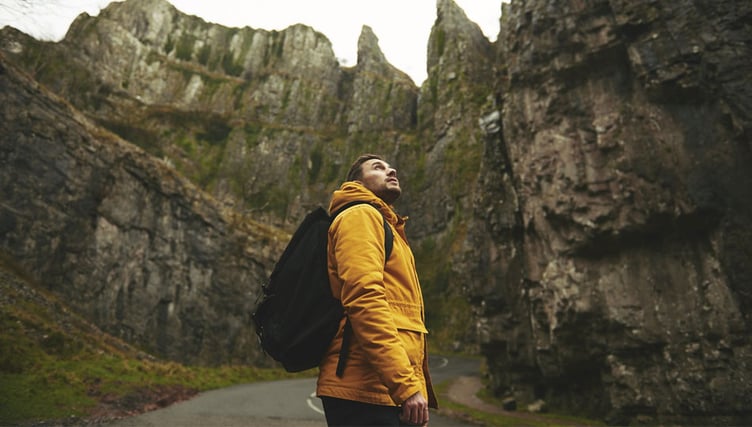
pixel 349 205
pixel 388 240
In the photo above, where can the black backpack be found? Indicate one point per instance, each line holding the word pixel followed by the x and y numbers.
pixel 298 317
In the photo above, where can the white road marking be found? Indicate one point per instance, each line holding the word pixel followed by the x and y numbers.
pixel 444 362
pixel 311 405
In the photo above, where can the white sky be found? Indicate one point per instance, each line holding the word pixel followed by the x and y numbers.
pixel 402 26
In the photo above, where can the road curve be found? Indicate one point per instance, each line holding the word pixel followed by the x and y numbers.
pixel 275 403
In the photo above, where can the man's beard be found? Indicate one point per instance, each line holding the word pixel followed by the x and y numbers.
pixel 390 195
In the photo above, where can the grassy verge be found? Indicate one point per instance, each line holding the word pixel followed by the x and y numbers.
pixel 109 385
pixel 56 366
pixel 507 419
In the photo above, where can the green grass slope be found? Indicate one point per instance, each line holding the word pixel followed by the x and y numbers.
pixel 54 365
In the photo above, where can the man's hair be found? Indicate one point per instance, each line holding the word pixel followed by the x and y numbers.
pixel 356 170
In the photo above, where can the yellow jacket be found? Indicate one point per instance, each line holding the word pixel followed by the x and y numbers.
pixel 387 362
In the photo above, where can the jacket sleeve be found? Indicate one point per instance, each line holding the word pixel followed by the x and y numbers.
pixel 358 237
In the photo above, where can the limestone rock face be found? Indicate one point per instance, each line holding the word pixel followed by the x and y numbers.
pixel 457 91
pixel 127 242
pixel 620 227
pixel 266 121
pixel 379 104
pixel 159 55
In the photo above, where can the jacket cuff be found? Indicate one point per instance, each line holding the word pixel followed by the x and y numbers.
pixel 404 392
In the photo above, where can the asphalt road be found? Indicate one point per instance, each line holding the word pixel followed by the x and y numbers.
pixel 276 403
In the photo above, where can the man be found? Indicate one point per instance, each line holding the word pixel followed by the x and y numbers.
pixel 385 379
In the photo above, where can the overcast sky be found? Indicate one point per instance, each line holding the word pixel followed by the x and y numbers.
pixel 402 26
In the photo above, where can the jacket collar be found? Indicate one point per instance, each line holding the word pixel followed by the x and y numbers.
pixel 351 191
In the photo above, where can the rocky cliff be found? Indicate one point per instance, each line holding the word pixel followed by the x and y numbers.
pixel 578 188
pixel 221 104
pixel 617 206
pixel 128 242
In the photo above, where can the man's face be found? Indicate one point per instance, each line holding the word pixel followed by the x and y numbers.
pixel 380 178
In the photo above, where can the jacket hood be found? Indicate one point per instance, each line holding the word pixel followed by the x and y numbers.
pixel 351 191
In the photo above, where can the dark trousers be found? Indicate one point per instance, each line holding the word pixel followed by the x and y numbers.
pixel 340 412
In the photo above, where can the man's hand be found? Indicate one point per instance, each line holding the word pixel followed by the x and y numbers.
pixel 415 410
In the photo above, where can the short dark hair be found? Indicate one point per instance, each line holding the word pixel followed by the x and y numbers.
pixel 356 170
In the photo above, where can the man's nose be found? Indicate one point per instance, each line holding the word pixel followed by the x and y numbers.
pixel 392 172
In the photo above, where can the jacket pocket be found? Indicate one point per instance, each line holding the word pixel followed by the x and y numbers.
pixel 408 319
